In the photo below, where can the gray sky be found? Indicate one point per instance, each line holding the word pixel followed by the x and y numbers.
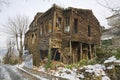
pixel 31 7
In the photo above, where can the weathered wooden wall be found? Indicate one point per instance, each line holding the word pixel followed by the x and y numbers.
pixel 73 32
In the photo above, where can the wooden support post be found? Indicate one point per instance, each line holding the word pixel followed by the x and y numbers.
pixel 70 50
pixel 54 22
pixel 49 53
pixel 90 51
pixel 81 52
pixel 73 58
pixel 95 51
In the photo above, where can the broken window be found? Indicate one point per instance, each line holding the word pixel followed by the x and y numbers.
pixel 75 25
pixel 58 23
pixel 67 27
pixel 33 38
pixel 50 26
pixel 41 32
pixel 89 31
pixel 32 35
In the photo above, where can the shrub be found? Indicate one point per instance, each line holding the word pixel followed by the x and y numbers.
pixel 81 63
pixel 107 42
pixel 11 61
pixel 104 52
pixel 91 62
pixel 100 60
pixel 70 66
pixel 117 54
pixel 100 52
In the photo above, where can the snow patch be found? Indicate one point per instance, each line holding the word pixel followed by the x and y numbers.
pixel 105 78
pixel 97 69
pixel 111 59
pixel 110 67
pixel 33 74
pixel 4 75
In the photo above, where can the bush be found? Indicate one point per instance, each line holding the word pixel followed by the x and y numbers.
pixel 117 54
pixel 81 63
pixel 11 61
pixel 70 66
pixel 107 42
pixel 100 60
pixel 91 62
pixel 104 52
pixel 100 52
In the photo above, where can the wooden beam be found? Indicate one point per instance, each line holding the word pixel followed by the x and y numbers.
pixel 95 51
pixel 71 52
pixel 70 48
pixel 54 22
pixel 81 52
pixel 90 51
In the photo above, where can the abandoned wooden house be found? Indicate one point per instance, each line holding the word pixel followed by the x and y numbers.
pixel 70 34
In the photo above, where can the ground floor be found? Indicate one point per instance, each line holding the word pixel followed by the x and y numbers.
pixel 66 51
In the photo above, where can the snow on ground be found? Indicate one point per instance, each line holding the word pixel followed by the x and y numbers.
pixel 67 73
pixel 4 75
pixel 105 78
pixel 28 64
pixel 9 72
pixel 97 69
pixel 110 67
pixel 111 59
pixel 71 74
pixel 32 74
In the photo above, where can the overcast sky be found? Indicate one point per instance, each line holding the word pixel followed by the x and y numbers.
pixel 31 7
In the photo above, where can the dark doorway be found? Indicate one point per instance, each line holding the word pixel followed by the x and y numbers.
pixel 78 54
pixel 43 54
pixel 76 50
pixel 55 54
pixel 89 54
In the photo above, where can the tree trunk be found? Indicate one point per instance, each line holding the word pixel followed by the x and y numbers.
pixel 21 49
pixel 17 42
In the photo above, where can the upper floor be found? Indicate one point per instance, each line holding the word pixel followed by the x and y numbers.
pixel 79 24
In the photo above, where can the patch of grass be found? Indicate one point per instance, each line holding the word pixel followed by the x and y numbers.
pixel 81 63
pixel 48 63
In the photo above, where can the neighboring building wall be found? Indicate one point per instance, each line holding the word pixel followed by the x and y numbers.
pixel 72 34
pixel 113 32
pixel 116 41
pixel 114 20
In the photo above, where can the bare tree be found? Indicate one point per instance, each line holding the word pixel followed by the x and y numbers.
pixel 112 5
pixel 10 56
pixel 17 27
